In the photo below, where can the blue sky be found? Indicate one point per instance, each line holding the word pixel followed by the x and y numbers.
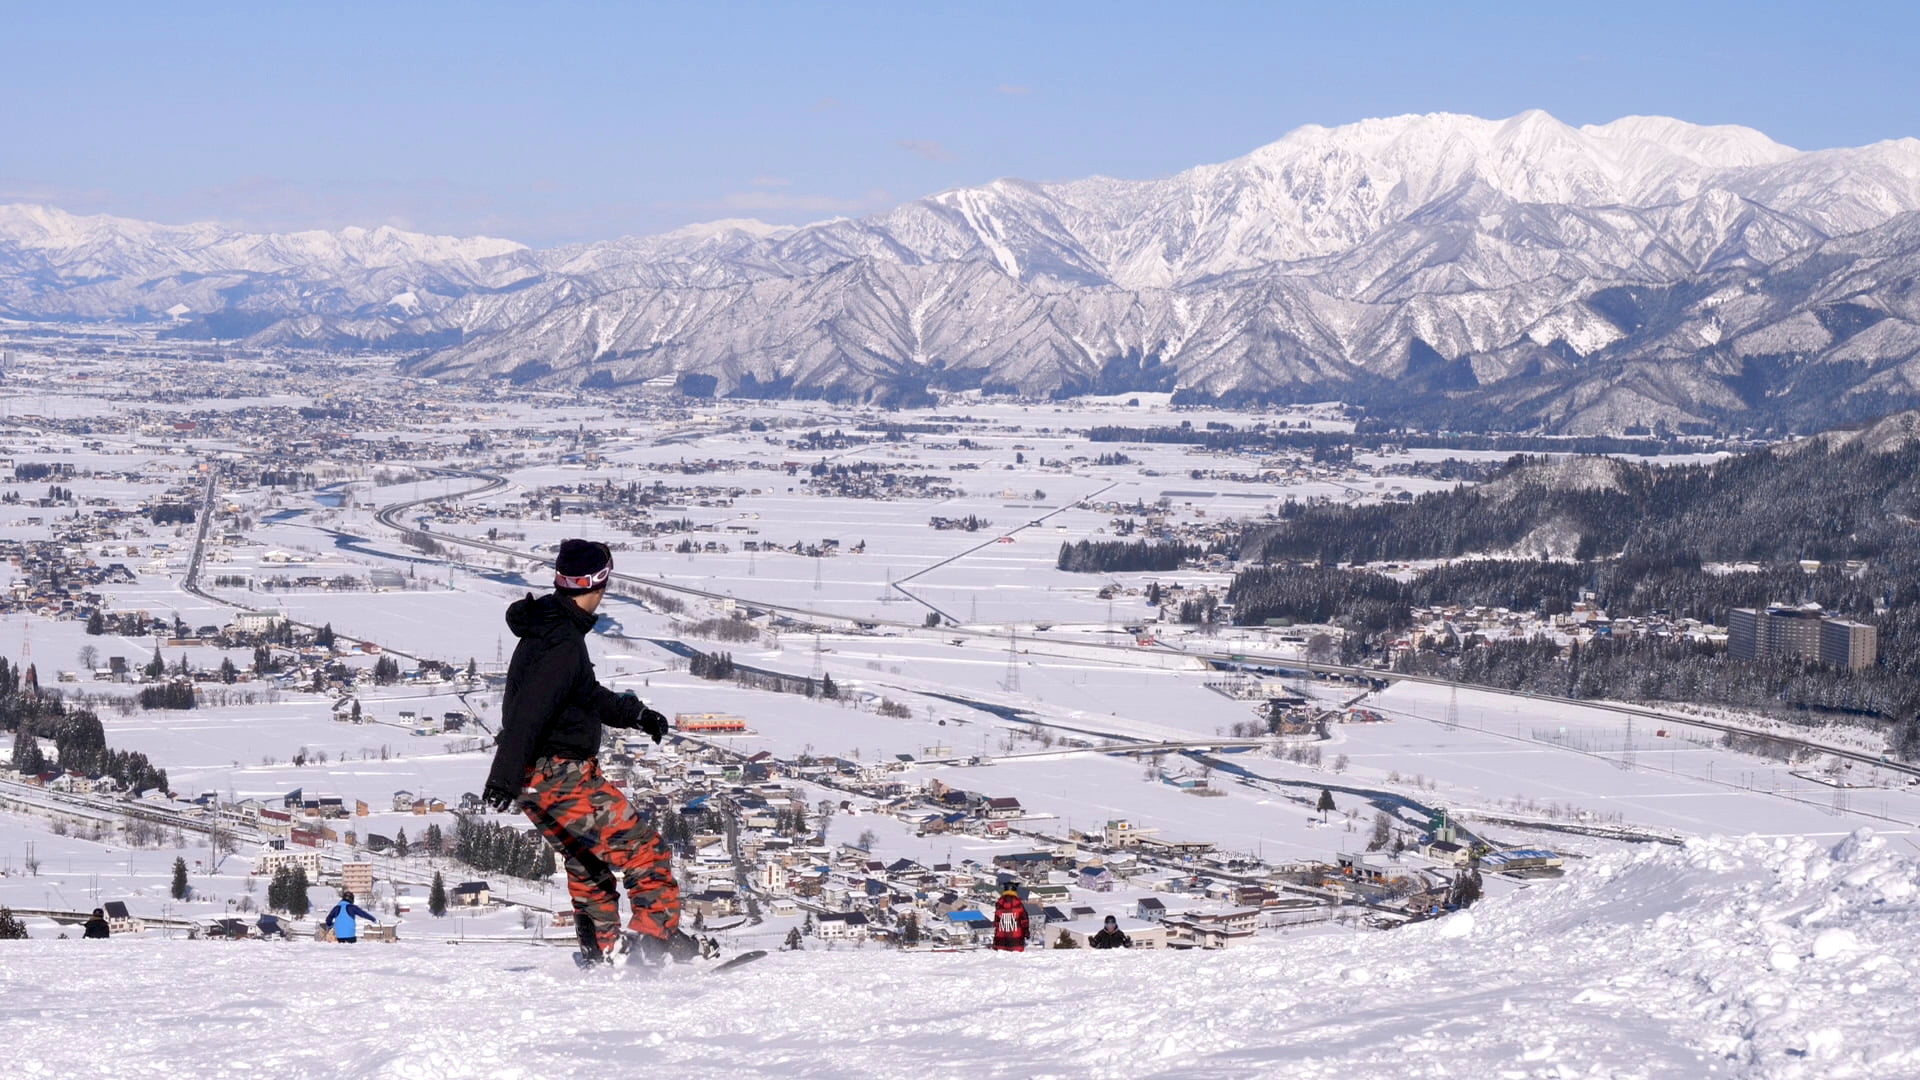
pixel 557 122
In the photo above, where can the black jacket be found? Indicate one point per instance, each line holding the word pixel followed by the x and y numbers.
pixel 552 707
pixel 1111 938
pixel 97 927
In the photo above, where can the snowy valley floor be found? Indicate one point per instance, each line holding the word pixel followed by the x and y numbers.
pixel 1731 958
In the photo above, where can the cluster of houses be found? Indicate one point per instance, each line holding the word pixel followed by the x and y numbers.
pixel 1451 626
pixel 62 578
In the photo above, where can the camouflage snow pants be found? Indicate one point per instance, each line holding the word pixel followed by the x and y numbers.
pixel 595 830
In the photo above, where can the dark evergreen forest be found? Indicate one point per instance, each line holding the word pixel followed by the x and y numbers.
pixel 1642 539
pixel 1116 556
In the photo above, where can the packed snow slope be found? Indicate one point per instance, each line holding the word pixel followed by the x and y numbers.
pixel 1520 269
pixel 1733 958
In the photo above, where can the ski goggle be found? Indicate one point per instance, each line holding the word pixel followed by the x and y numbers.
pixel 582 581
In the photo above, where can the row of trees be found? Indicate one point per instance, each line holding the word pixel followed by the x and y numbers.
pixel 1120 556
pixel 719 667
pixel 79 739
pixel 286 478
pixel 40 470
pixel 170 695
pixel 490 846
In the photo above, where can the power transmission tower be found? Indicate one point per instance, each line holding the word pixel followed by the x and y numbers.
pixel 1012 683
pixel 816 574
pixel 819 661
pixel 886 597
pixel 1453 706
pixel 1627 759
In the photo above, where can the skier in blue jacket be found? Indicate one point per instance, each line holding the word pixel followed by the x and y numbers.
pixel 345 930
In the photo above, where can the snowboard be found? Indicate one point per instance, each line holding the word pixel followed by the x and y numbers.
pixel 642 971
pixel 740 961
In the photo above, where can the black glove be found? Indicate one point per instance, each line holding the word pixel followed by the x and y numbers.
pixel 638 715
pixel 499 796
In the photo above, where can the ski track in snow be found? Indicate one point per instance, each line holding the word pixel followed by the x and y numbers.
pixel 1727 958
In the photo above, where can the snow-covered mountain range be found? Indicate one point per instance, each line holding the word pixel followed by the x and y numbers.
pixel 1519 272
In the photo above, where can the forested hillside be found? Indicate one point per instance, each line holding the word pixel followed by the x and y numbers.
pixel 1642 539
pixel 1805 501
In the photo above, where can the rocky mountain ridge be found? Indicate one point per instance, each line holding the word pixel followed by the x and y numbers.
pixel 1515 273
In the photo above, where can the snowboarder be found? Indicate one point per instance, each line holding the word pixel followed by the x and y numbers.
pixel 1010 921
pixel 341 920
pixel 97 926
pixel 1111 936
pixel 545 763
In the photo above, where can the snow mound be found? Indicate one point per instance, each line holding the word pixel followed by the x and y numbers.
pixel 1756 958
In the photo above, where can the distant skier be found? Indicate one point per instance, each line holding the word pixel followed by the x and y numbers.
pixel 1111 936
pixel 341 920
pixel 97 926
pixel 1010 921
pixel 545 763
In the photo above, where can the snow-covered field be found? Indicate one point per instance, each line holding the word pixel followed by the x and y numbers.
pixel 1737 958
pixel 1787 952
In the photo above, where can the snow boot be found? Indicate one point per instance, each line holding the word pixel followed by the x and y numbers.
pixel 658 952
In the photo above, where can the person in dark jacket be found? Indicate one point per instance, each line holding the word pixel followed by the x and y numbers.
pixel 97 926
pixel 1010 921
pixel 341 920
pixel 1111 936
pixel 545 762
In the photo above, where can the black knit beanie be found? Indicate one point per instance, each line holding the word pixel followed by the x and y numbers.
pixel 578 560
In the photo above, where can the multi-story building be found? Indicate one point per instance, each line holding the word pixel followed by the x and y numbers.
pixel 266 863
pixel 1849 645
pixel 357 878
pixel 1800 633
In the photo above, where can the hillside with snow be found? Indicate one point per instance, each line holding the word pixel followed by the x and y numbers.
pixel 1728 957
pixel 1444 267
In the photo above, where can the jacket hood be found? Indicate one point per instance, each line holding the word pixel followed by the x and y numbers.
pixel 538 616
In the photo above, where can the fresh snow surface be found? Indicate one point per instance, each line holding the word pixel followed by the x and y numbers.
pixel 1728 957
